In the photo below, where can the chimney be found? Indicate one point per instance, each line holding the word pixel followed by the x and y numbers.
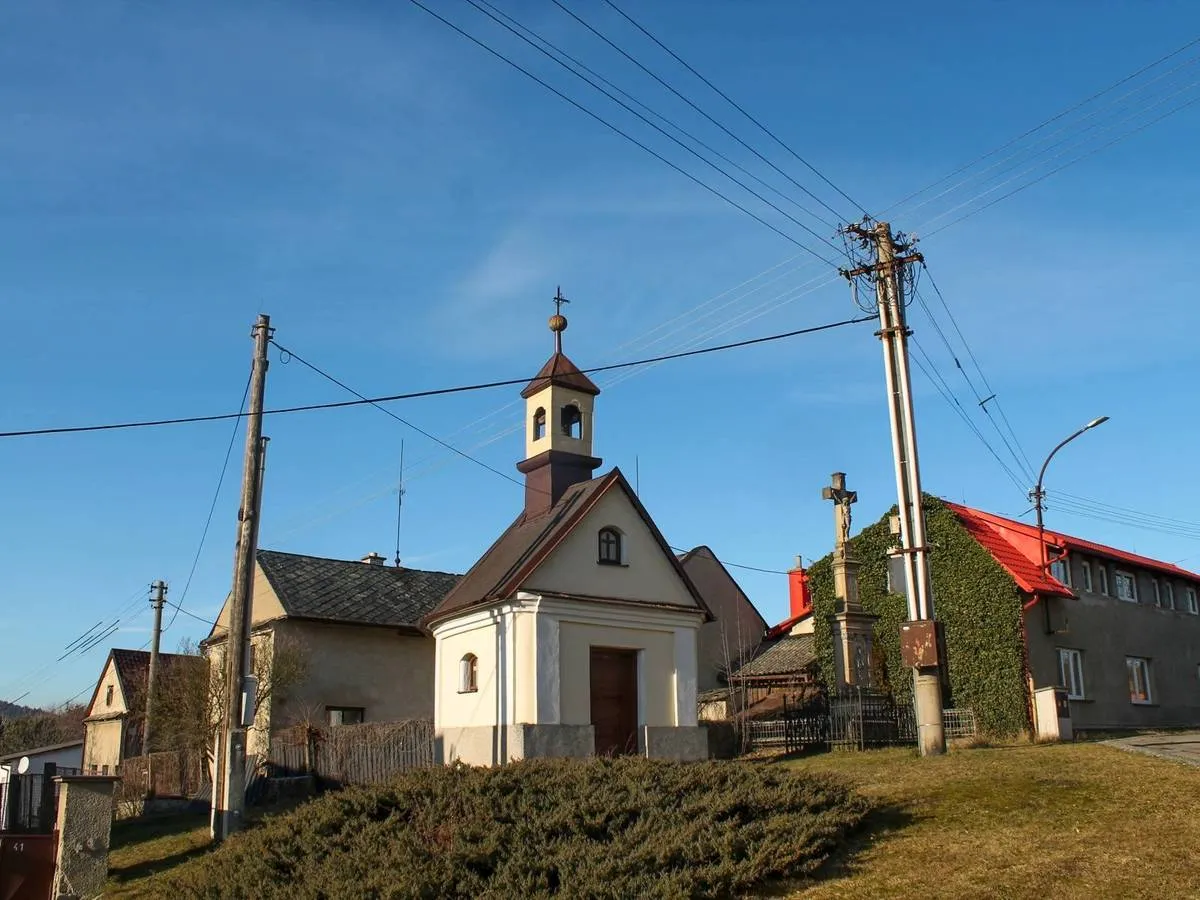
pixel 373 559
pixel 799 599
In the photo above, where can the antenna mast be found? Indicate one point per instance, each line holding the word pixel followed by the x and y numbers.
pixel 399 502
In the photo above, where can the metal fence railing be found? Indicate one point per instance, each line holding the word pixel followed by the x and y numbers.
pixel 853 719
pixel 959 723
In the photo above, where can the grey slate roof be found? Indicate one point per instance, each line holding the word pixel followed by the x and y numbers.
pixel 339 590
pixel 788 655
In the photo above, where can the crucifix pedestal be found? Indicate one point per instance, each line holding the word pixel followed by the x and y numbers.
pixel 853 627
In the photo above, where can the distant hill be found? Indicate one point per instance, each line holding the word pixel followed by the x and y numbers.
pixel 16 711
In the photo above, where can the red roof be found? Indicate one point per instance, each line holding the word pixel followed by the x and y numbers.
pixel 1014 545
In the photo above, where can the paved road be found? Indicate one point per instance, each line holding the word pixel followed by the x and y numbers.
pixel 1182 746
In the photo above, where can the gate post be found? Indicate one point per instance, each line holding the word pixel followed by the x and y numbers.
pixel 85 809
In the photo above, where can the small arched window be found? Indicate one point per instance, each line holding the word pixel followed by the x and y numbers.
pixel 610 547
pixel 572 421
pixel 108 695
pixel 539 424
pixel 468 674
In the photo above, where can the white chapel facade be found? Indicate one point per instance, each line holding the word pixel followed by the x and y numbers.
pixel 576 632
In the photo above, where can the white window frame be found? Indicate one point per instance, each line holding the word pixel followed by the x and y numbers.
pixel 1061 569
pixel 1102 571
pixel 1168 595
pixel 1117 576
pixel 1157 591
pixel 1085 569
pixel 1070 672
pixel 1138 670
pixel 1190 602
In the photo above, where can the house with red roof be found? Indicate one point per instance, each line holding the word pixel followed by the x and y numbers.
pixel 1118 632
pixel 1111 639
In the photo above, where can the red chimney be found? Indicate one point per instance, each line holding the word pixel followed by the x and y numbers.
pixel 800 600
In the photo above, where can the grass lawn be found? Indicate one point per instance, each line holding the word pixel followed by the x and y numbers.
pixel 1080 820
pixel 139 849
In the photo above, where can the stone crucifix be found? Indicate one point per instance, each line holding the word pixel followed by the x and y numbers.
pixel 842 499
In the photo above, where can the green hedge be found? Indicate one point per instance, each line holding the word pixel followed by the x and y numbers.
pixel 598 828
pixel 976 600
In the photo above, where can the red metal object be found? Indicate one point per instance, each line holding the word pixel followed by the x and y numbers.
pixel 27 866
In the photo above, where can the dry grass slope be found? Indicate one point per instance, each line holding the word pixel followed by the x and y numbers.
pixel 1026 821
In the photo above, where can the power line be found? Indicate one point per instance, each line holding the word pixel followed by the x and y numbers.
pixel 619 131
pixel 694 106
pixel 575 61
pixel 461 453
pixel 1053 171
pixel 383 409
pixel 980 400
pixel 434 392
pixel 992 395
pixel 948 395
pixel 736 106
pixel 1126 509
pixel 211 509
pixel 634 112
pixel 1049 121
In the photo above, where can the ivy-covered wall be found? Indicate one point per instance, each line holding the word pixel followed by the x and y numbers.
pixel 974 597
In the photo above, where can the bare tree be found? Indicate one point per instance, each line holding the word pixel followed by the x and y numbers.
pixel 192 697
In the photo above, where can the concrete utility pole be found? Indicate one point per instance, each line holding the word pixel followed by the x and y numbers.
pixel 920 641
pixel 160 595
pixel 229 786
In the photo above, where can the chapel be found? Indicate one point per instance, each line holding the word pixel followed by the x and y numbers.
pixel 575 634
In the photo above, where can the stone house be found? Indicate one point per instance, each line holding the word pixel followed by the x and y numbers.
pixel 116 712
pixel 1117 632
pixel 348 635
pixel 576 632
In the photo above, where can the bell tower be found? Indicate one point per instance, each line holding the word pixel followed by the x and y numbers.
pixel 558 425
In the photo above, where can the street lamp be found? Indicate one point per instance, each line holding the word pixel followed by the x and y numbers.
pixel 1037 495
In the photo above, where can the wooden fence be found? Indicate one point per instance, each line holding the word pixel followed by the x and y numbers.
pixel 352 754
pixel 172 773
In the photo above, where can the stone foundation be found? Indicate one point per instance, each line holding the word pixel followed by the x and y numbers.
pixel 676 742
pixel 489 745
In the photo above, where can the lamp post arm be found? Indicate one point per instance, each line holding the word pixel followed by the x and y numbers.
pixel 1061 444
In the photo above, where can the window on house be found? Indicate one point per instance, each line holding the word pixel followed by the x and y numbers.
pixel 1102 571
pixel 610 547
pixel 1139 679
pixel 539 424
pixel 1070 672
pixel 1126 586
pixel 1061 570
pixel 1085 573
pixel 468 674
pixel 1189 599
pixel 1168 595
pixel 108 695
pixel 344 715
pixel 1157 588
pixel 572 421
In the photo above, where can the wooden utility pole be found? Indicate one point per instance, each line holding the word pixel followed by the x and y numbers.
pixel 160 595
pixel 229 785
pixel 920 637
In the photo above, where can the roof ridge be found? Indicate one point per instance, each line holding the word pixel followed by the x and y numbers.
pixel 354 562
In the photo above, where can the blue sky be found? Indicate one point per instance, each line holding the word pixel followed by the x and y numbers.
pixel 403 206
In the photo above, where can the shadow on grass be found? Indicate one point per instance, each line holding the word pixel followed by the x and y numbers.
pixel 879 824
pixel 137 831
pixel 149 867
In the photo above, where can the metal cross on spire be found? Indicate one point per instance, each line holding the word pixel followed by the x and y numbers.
pixel 559 300
pixel 558 322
